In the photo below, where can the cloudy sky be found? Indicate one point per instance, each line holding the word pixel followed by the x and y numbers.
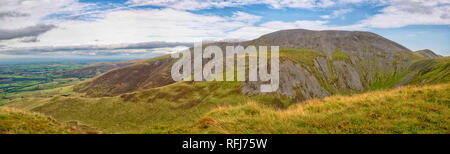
pixel 145 28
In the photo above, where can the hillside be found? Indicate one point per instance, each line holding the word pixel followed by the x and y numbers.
pixel 95 69
pixel 428 53
pixel 145 75
pixel 429 71
pixel 14 121
pixel 180 103
pixel 314 64
pixel 406 110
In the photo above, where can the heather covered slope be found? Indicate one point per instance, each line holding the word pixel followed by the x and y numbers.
pixel 95 69
pixel 148 74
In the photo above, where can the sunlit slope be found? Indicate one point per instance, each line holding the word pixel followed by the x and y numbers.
pixel 408 109
pixel 430 71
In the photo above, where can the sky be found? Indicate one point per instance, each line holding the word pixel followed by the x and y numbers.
pixel 147 28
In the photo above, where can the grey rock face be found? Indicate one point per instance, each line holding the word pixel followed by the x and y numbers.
pixel 293 77
pixel 347 76
pixel 369 55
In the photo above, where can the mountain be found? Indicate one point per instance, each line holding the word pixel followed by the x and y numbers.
pixel 428 53
pixel 314 64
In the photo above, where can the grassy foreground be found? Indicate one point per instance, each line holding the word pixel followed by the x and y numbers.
pixel 15 121
pixel 221 108
pixel 406 110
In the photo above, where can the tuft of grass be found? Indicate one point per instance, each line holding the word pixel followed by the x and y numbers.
pixel 339 55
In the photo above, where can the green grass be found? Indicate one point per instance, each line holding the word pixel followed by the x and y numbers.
pixel 387 81
pixel 303 56
pixel 407 110
pixel 14 121
pixel 19 78
pixel 431 71
pixel 339 55
pixel 181 102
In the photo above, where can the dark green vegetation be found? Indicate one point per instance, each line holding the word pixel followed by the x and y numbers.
pixel 17 78
pixel 330 82
pixel 26 77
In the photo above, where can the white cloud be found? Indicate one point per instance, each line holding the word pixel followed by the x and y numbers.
pixel 402 13
pixel 122 25
pixel 32 12
pixel 139 25
pixel 337 13
pixel 245 17
pixel 203 4
pixel 268 27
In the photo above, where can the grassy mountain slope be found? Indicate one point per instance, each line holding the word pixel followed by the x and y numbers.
pixel 151 73
pixel 428 53
pixel 430 71
pixel 410 109
pixel 15 121
pixel 182 102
